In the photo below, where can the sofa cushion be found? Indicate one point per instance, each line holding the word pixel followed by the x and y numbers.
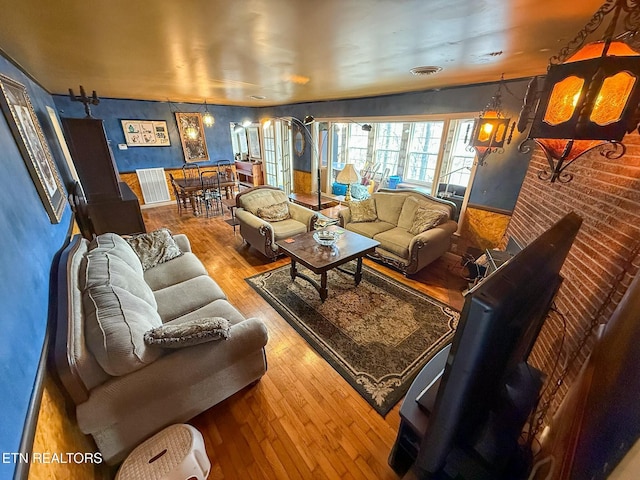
pixel 217 308
pixel 116 245
pixel 260 198
pixel 426 218
pixel 186 334
pixel 275 212
pixel 287 228
pixel 369 229
pixel 184 297
pixel 395 240
pixel 174 271
pixel 389 206
pixel 411 204
pixel 102 268
pixel 154 247
pixel 116 321
pixel 363 211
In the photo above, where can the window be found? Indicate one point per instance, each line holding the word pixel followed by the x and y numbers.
pixel 431 154
pixel 424 149
pixel 388 141
pixel 357 142
pixel 277 154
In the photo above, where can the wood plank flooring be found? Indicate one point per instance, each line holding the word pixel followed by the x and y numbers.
pixel 302 420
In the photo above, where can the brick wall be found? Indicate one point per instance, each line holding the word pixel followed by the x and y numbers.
pixel 606 194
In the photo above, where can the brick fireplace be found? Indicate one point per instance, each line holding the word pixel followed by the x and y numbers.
pixel 604 257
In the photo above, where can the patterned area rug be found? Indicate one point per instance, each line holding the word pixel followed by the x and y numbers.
pixel 377 335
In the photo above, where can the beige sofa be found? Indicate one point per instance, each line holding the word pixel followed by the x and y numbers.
pixel 260 225
pixel 394 217
pixel 125 391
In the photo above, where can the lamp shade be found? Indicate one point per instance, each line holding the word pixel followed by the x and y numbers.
pixel 592 96
pixel 348 175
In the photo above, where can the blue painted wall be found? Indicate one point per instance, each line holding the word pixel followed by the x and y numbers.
pixel 29 244
pixel 496 184
pixel 112 111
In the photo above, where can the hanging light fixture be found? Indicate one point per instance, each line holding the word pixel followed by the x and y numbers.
pixel 207 118
pixel 191 132
pixel 590 95
pixel 491 128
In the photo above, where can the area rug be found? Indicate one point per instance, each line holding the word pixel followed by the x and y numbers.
pixel 377 335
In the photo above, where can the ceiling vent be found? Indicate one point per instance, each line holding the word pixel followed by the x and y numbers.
pixel 428 70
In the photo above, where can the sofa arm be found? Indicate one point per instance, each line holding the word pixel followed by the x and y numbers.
pixel 303 215
pixel 183 242
pixel 435 235
pixel 176 373
pixel 344 216
pixel 430 245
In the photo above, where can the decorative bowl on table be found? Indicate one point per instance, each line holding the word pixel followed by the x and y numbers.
pixel 326 238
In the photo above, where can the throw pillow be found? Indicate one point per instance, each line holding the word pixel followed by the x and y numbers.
pixel 364 211
pixel 275 212
pixel 426 218
pixel 154 247
pixel 185 334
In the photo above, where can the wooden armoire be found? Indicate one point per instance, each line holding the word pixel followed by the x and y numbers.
pixel 111 204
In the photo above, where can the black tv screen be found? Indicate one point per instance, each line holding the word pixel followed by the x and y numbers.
pixel 487 389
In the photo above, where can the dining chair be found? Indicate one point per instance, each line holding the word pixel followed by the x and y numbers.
pixel 181 197
pixel 228 178
pixel 211 192
pixel 191 172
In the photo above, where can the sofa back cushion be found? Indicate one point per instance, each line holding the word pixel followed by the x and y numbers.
pixel 103 268
pixel 115 323
pixel 118 246
pixel 78 352
pixel 415 201
pixel 389 206
pixel 261 198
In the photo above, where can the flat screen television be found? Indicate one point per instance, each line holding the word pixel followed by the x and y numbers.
pixel 487 390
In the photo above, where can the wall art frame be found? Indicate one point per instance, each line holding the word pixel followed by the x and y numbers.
pixel 27 132
pixel 194 146
pixel 146 133
pixel 253 138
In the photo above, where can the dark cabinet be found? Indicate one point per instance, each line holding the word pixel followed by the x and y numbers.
pixel 111 205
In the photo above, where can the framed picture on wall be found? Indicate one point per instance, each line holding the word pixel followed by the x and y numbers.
pixel 33 146
pixel 194 144
pixel 253 137
pixel 145 133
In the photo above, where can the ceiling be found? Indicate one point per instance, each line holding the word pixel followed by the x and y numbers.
pixel 274 52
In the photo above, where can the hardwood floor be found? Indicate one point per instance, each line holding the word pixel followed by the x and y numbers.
pixel 302 420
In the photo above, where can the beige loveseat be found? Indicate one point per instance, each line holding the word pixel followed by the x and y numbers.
pixel 391 223
pixel 266 215
pixel 124 391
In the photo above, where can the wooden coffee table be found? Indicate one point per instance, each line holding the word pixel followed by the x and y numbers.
pixel 319 259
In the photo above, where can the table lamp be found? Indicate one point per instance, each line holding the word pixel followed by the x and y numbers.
pixel 347 176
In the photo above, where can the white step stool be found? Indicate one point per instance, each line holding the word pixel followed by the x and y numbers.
pixel 175 453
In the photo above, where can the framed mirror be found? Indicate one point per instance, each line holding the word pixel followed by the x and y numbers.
pixel 298 141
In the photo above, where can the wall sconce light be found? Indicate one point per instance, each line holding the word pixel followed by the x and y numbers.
pixel 207 117
pixel 590 95
pixel 491 128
